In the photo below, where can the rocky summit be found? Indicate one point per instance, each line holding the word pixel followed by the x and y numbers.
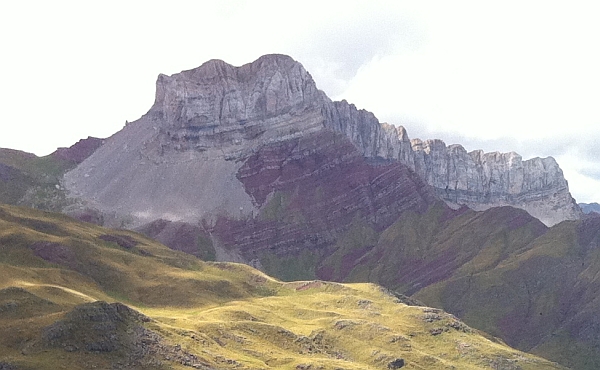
pixel 181 160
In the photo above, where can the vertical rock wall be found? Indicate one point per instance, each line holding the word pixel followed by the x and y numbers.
pixel 477 179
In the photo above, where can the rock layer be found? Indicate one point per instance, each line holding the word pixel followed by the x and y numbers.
pixel 310 191
pixel 476 179
pixel 180 160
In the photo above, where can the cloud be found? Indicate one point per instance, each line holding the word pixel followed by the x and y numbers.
pixel 504 76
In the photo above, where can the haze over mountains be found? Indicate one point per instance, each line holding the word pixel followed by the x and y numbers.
pixel 254 164
pixel 590 207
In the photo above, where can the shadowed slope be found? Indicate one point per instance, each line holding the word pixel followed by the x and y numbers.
pixel 500 270
pixel 26 179
pixel 543 298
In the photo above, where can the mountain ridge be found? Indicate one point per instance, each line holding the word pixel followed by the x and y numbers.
pixel 268 171
pixel 588 208
pixel 477 179
pixel 221 113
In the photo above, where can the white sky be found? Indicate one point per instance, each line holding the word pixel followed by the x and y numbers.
pixel 518 76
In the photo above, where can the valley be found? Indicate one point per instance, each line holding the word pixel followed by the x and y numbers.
pixel 248 221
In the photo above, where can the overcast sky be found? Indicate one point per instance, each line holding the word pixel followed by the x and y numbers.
pixel 503 76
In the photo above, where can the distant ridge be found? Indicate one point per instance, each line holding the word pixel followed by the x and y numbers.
pixel 79 151
pixel 589 207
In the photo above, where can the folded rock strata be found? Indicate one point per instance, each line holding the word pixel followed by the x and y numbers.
pixel 181 160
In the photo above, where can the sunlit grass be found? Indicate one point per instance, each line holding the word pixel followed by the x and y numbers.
pixel 228 315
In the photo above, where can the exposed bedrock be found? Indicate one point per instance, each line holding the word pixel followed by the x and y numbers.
pixel 311 189
pixel 476 179
pixel 180 161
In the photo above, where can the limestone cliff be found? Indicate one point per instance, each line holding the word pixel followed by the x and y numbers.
pixel 236 109
pixel 180 161
pixel 476 179
pixel 484 180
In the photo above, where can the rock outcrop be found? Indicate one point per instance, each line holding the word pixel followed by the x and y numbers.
pixel 476 179
pixel 79 151
pixel 484 180
pixel 181 160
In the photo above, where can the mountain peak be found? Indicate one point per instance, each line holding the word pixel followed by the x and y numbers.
pixel 221 69
pixel 217 115
pixel 268 61
pixel 220 97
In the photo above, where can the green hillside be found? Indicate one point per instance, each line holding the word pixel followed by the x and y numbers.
pixel 543 299
pixel 29 180
pixel 501 271
pixel 73 295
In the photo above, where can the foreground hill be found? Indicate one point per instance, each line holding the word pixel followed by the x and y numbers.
pixel 74 295
pixel 33 181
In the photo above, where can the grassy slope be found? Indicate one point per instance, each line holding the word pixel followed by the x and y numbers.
pixel 208 315
pixel 421 249
pixel 33 181
pixel 500 270
pixel 542 298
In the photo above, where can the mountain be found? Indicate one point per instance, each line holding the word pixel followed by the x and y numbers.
pixel 207 122
pixel 78 296
pixel 254 164
pixel 589 207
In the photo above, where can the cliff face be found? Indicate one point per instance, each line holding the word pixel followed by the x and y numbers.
pixel 236 109
pixel 181 160
pixel 484 180
pixel 476 179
